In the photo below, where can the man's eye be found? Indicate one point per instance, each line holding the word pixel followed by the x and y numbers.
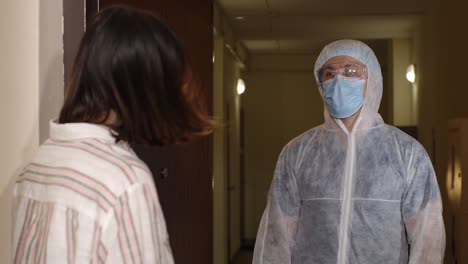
pixel 329 74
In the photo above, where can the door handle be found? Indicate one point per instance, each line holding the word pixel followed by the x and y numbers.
pixel 164 173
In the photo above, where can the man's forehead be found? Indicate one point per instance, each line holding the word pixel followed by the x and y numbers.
pixel 340 60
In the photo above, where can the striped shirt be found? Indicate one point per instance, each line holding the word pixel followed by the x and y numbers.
pixel 86 199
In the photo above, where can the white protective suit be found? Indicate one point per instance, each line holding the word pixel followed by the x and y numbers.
pixel 369 196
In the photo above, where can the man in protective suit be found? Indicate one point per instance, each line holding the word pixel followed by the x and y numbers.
pixel 352 190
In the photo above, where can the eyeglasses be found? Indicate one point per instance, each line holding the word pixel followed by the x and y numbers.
pixel 351 69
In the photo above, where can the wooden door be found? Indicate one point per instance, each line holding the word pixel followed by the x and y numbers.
pixel 183 173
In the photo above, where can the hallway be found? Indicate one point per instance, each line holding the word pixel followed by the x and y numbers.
pixel 271 45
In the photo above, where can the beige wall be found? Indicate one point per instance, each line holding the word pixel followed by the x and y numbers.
pixel 402 89
pixel 281 102
pixel 19 78
pixel 31 93
pixel 226 161
pixel 230 58
pixel 232 104
pixel 383 51
pixel 442 95
pixel 51 80
pixel 226 158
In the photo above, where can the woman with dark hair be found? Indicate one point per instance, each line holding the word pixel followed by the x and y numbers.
pixel 86 197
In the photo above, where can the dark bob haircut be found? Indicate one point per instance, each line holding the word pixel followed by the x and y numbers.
pixel 132 66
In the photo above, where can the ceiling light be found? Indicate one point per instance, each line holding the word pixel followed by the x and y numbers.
pixel 239 17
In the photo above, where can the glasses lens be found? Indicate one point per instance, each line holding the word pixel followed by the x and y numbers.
pixel 352 70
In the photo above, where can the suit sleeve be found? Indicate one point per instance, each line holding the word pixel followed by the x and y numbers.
pixel 275 237
pixel 422 211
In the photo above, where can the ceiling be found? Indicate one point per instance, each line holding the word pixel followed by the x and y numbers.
pixel 305 26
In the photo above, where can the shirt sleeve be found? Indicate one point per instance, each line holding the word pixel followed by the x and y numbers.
pixel 140 229
pixel 275 236
pixel 422 211
pixel 51 233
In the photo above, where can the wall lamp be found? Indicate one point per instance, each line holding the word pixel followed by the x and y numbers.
pixel 410 73
pixel 240 86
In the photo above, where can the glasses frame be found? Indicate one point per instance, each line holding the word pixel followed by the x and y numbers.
pixel 341 70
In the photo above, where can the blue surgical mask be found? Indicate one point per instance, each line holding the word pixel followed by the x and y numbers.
pixel 343 95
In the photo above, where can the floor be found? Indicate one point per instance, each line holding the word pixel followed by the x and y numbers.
pixel 243 257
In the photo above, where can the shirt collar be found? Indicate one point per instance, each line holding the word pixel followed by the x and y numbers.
pixel 75 131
